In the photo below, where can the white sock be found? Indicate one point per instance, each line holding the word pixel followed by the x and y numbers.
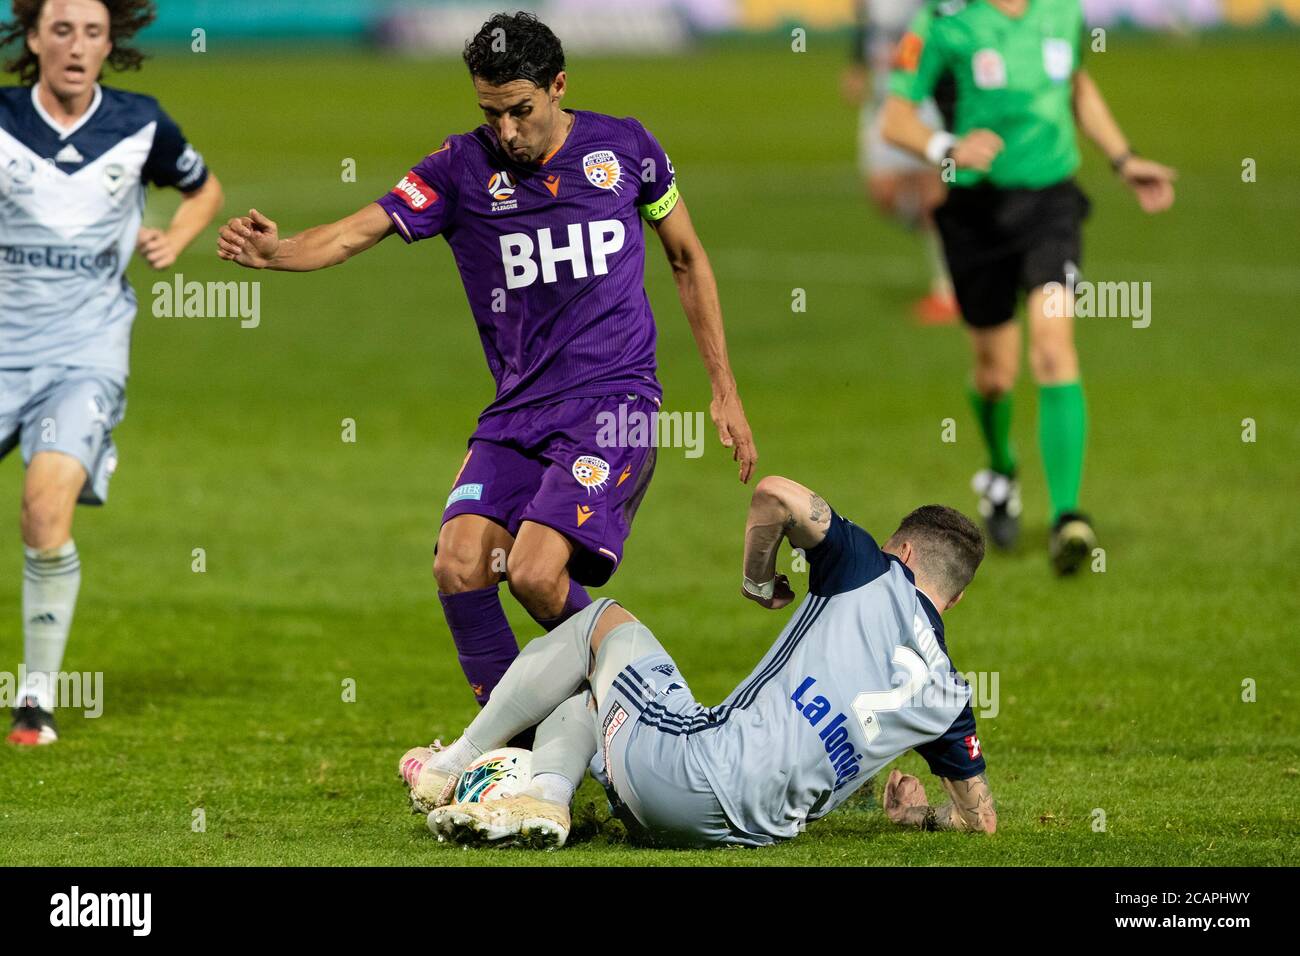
pixel 51 580
pixel 551 787
pixel 457 757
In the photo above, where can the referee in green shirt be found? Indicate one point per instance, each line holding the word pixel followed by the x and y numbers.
pixel 1012 221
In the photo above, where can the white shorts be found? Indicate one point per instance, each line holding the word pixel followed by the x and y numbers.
pixel 878 158
pixel 68 410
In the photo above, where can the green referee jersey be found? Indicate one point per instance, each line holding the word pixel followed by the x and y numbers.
pixel 1013 76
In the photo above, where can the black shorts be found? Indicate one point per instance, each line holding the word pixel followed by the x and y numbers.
pixel 1000 242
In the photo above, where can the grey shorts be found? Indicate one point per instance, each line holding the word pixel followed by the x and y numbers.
pixel 68 410
pixel 653 775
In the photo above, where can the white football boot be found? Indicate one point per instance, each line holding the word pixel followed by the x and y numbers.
pixel 473 824
pixel 523 821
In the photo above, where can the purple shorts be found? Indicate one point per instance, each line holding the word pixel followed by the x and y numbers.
pixel 568 466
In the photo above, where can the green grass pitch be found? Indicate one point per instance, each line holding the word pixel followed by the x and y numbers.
pixel 1119 691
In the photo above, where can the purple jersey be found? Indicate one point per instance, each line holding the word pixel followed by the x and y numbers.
pixel 552 256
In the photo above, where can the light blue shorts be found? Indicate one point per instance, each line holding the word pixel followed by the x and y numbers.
pixel 68 410
pixel 649 772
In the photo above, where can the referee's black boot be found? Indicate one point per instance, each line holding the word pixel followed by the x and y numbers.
pixel 1072 542
pixel 999 506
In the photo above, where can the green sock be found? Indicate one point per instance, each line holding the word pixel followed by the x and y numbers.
pixel 1062 433
pixel 994 416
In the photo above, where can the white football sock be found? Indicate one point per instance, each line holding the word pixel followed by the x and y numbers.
pixel 565 743
pixel 551 787
pixel 51 580
pixel 457 757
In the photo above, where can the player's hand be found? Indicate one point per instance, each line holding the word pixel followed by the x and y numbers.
pixel 156 247
pixel 1151 182
pixel 250 240
pixel 733 431
pixel 977 150
pixel 853 84
pixel 782 594
pixel 902 792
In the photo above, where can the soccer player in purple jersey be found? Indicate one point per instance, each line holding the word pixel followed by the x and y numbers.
pixel 541 207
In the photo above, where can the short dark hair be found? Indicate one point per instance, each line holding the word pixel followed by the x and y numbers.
pixel 515 47
pixel 126 18
pixel 948 546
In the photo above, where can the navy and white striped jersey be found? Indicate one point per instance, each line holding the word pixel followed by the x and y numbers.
pixel 858 677
pixel 71 201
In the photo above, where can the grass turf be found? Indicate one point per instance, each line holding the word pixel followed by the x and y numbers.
pixel 1119 691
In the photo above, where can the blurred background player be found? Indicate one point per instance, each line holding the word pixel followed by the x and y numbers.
pixel 860 675
pixel 1012 223
pixel 75 160
pixel 542 208
pixel 902 186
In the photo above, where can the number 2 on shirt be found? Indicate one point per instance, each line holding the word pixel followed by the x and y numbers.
pixel 868 703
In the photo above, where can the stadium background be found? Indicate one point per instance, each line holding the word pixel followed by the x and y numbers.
pixel 1120 692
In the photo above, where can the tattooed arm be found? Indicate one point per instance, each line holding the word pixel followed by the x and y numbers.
pixel 780 508
pixel 969 807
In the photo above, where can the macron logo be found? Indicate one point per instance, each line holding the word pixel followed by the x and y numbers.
pixel 132 910
pixel 415 191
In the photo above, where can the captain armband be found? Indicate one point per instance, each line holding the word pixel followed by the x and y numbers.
pixel 653 212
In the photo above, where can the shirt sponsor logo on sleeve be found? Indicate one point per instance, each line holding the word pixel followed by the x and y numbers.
pixel 188 159
pixel 907 55
pixel 415 192
pixel 191 167
pixel 603 170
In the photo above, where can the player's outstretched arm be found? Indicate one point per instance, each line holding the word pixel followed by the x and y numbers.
pixel 969 807
pixel 159 247
pixel 254 241
pixel 698 291
pixel 1151 182
pixel 780 508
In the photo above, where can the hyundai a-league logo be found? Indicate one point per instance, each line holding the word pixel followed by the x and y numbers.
pixel 501 187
